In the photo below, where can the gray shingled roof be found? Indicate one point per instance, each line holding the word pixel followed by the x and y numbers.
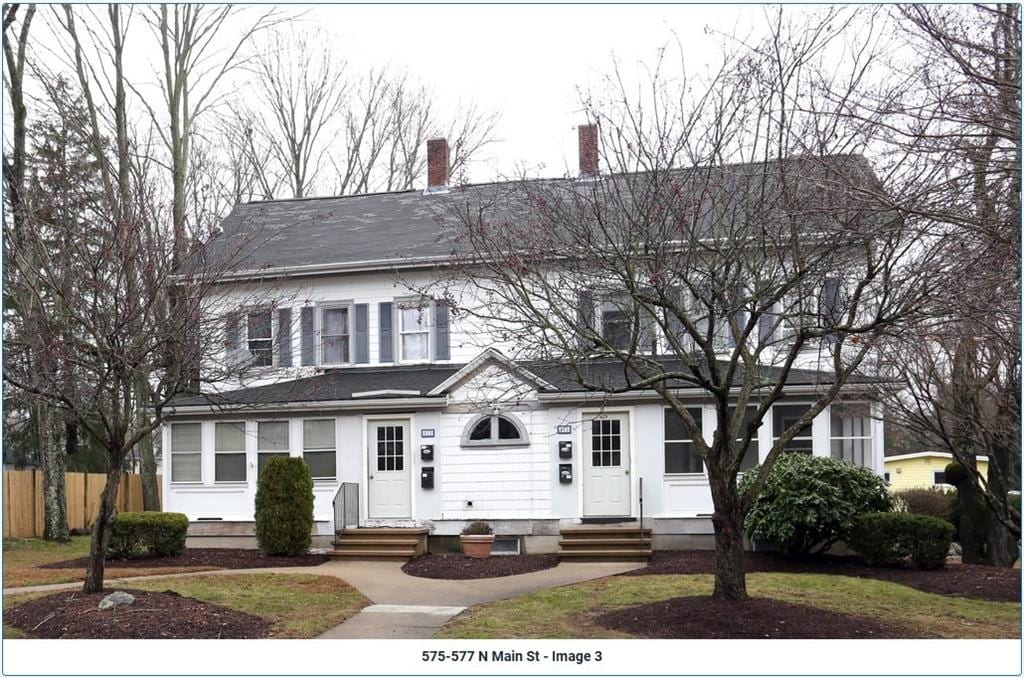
pixel 339 385
pixel 389 227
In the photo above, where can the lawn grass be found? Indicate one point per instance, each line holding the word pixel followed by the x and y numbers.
pixel 568 612
pixel 22 557
pixel 297 605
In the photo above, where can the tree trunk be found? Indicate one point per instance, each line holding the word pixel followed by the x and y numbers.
pixel 101 528
pixel 52 463
pixel 730 576
pixel 972 523
pixel 1001 546
pixel 147 460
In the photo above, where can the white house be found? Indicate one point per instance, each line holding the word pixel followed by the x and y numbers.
pixel 407 421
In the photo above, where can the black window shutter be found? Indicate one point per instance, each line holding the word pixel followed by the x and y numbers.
pixel 585 307
pixel 387 333
pixel 232 335
pixel 284 337
pixel 307 339
pixel 442 338
pixel 766 327
pixel 362 333
pixel 828 304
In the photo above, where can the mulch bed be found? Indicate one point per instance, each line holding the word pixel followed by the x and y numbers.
pixel 154 615
pixel 221 558
pixel 998 584
pixel 457 567
pixel 754 618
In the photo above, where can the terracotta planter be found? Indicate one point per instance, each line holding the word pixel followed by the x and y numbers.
pixel 477 547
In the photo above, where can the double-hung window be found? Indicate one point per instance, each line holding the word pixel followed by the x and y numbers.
pixel 318 448
pixel 271 441
pixel 414 331
pixel 680 453
pixel 750 457
pixel 335 335
pixel 784 416
pixel 260 338
pixel 229 452
pixel 851 432
pixel 617 312
pixel 186 452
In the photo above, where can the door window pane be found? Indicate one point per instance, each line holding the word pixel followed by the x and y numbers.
pixel 606 443
pixel 390 449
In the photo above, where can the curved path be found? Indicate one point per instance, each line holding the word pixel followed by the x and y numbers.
pixel 406 607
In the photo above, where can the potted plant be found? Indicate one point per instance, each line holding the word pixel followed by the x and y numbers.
pixel 477 539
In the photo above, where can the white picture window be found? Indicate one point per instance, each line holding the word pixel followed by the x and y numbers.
pixel 318 448
pixel 271 441
pixel 335 335
pixel 186 452
pixel 229 452
pixel 681 455
pixel 414 332
pixel 851 432
pixel 260 337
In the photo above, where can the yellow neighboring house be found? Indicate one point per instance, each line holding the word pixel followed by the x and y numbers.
pixel 922 469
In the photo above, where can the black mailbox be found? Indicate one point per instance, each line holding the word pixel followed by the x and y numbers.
pixel 427 452
pixel 565 473
pixel 565 450
pixel 427 478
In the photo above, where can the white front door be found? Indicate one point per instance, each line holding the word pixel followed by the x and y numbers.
pixel 388 463
pixel 606 466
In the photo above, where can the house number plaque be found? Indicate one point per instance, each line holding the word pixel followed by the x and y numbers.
pixel 564 429
pixel 427 432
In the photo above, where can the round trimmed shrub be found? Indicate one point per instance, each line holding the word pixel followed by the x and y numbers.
pixel 809 502
pixel 284 507
pixel 931 501
pixel 161 533
pixel 955 473
pixel 889 537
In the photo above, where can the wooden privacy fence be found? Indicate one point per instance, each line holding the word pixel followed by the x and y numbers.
pixel 23 500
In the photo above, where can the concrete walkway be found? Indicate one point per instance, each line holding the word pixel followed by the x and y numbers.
pixel 409 607
pixel 406 607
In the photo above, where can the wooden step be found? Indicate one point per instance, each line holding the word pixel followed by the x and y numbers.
pixel 391 555
pixel 400 542
pixel 599 543
pixel 381 531
pixel 637 554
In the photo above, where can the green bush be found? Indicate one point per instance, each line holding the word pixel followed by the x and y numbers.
pixel 955 473
pixel 888 537
pixel 284 507
pixel 808 502
pixel 161 533
pixel 931 501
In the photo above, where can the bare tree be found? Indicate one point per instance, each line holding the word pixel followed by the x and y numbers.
pixel 961 369
pixel 303 85
pixel 729 250
pixel 45 420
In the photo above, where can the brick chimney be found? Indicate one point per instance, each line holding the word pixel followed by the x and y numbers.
pixel 437 165
pixel 588 151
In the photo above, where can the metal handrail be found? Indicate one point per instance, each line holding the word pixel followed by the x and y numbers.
pixel 346 506
pixel 641 511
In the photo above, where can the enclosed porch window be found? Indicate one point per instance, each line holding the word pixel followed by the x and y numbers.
pixel 851 432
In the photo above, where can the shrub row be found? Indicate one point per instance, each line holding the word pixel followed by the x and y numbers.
pixel 931 501
pixel 161 533
pixel 887 537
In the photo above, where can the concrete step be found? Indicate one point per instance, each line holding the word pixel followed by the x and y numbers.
pixel 381 531
pixel 373 542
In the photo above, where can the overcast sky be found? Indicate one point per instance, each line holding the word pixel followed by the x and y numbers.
pixel 526 61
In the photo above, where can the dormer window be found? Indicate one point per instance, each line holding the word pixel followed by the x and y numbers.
pixel 494 430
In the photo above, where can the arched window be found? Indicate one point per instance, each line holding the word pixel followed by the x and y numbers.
pixel 494 430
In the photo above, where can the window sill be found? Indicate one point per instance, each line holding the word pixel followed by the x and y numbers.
pixel 493 445
pixel 183 483
pixel 231 483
